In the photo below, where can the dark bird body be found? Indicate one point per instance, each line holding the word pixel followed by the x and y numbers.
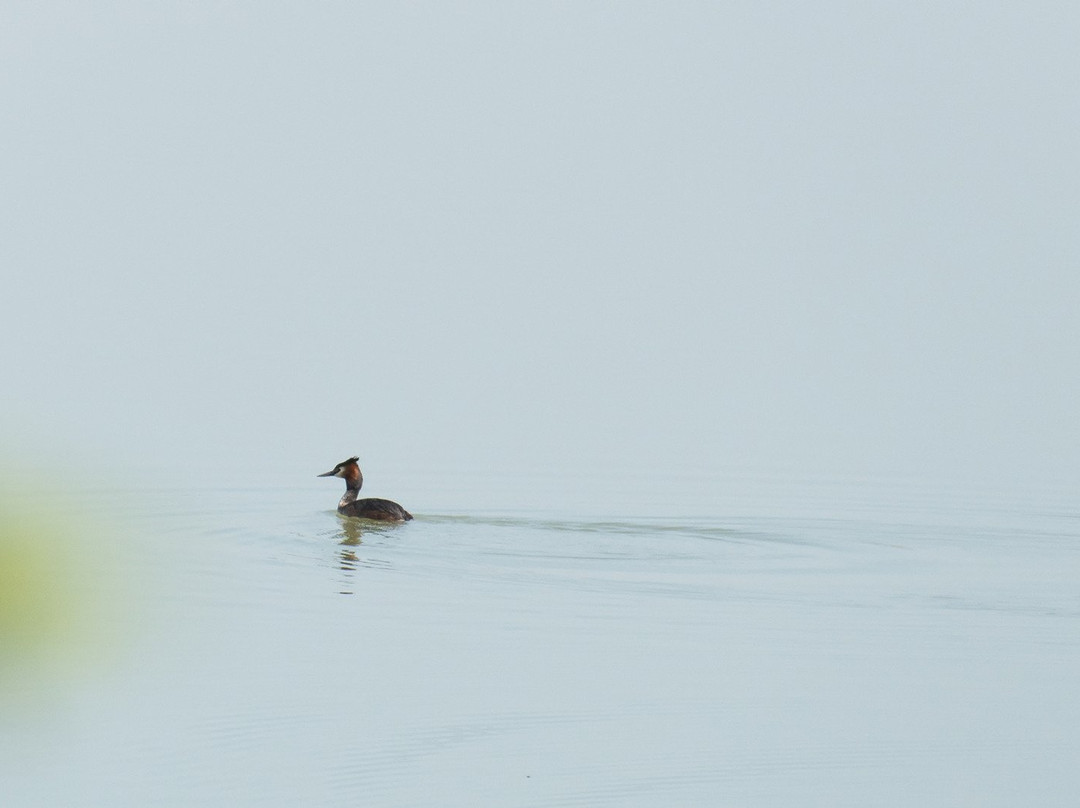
pixel 382 510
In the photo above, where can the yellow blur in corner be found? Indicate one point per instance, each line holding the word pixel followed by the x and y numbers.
pixel 60 595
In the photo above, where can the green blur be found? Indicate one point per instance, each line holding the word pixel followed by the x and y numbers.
pixel 60 595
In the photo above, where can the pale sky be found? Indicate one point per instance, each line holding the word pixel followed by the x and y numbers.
pixel 833 237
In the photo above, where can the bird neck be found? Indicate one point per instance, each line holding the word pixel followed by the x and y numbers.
pixel 354 480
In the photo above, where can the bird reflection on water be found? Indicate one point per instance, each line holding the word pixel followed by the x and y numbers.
pixel 349 536
pixel 350 533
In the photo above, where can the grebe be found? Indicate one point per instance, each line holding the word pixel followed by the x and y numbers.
pixel 381 509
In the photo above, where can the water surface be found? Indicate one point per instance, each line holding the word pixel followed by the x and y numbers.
pixel 533 641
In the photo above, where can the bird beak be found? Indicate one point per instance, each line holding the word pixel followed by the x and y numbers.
pixel 327 474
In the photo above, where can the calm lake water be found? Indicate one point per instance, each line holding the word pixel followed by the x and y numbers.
pixel 536 640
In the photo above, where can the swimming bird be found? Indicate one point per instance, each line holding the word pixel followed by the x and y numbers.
pixel 381 509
